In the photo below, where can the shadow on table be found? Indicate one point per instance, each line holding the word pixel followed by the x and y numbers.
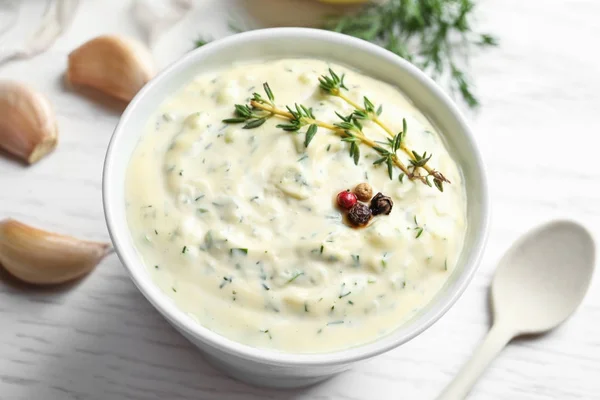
pixel 102 101
pixel 109 343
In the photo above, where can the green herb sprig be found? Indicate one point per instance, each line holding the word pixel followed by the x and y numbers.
pixel 350 129
pixel 333 84
pixel 435 35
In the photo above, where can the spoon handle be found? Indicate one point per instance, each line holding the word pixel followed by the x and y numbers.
pixel 494 342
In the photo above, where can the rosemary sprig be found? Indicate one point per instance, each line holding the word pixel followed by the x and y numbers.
pixel 432 34
pixel 333 85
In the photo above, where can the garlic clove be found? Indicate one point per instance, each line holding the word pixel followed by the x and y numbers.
pixel 46 258
pixel 28 127
pixel 114 65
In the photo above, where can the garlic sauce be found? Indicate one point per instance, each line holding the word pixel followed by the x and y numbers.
pixel 240 228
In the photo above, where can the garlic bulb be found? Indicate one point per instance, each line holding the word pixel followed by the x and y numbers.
pixel 46 258
pixel 28 128
pixel 114 65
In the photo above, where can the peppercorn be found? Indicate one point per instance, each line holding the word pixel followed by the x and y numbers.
pixel 346 199
pixel 359 214
pixel 363 191
pixel 381 204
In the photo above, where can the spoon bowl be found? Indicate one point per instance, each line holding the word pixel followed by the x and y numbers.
pixel 543 277
pixel 539 283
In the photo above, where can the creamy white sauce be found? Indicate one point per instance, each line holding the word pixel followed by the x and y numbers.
pixel 240 227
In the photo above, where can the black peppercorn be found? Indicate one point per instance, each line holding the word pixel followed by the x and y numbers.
pixel 359 214
pixel 381 204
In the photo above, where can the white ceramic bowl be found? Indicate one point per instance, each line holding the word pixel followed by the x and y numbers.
pixel 266 367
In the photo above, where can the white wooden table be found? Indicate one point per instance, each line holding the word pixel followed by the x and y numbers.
pixel 539 130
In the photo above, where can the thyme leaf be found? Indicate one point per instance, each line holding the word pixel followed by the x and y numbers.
pixel 310 134
pixel 418 229
pixel 269 92
pixel 255 123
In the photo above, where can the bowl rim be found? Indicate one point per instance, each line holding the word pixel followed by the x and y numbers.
pixel 193 329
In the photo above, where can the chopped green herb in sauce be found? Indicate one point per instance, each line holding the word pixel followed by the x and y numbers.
pixel 226 280
pixel 296 276
pixel 238 251
pixel 266 331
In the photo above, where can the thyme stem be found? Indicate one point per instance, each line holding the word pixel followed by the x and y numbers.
pixel 348 100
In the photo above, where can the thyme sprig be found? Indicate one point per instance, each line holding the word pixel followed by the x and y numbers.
pixel 349 128
pixel 333 85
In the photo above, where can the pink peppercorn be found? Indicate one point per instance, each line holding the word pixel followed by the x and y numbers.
pixel 346 199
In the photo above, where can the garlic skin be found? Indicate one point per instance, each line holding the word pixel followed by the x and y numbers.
pixel 114 65
pixel 28 128
pixel 46 258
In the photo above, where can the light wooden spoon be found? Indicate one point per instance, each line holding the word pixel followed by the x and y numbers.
pixel 539 283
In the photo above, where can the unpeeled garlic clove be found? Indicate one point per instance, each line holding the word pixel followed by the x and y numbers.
pixel 114 65
pixel 46 258
pixel 28 127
